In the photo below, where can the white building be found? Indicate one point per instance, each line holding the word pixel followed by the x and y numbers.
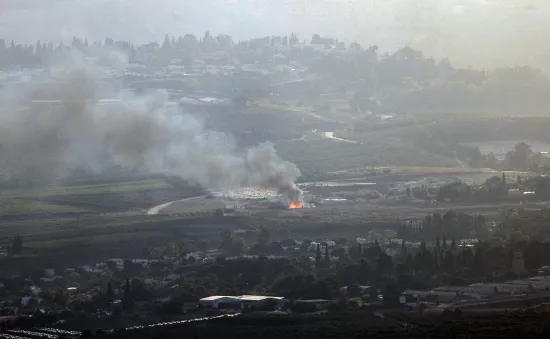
pixel 242 301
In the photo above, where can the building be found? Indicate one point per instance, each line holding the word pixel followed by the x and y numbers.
pixel 233 302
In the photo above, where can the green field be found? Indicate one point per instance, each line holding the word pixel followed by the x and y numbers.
pixel 117 197
pixel 15 206
pixel 122 187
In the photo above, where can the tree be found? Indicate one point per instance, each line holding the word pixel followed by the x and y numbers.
pixel 384 264
pixel 315 38
pixel 304 246
pixel 226 240
pixel 479 261
pixel 519 157
pixel 327 257
pixel 218 213
pixel 139 289
pixel 409 262
pixel 173 306
pixel 449 262
pixel 423 245
pixel 318 256
pixel 353 291
pixel 127 299
pixel 449 218
pixel 17 246
pixel 237 247
pixel 356 252
pixel 110 293
pixel 275 248
pixel 204 247
pixel 131 269
pixel 166 42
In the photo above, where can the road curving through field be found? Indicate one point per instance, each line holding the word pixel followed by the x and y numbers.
pixel 330 135
pixel 157 209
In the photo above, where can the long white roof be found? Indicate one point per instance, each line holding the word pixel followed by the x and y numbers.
pixel 215 298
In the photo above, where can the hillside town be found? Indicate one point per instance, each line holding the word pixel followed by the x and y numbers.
pixel 165 285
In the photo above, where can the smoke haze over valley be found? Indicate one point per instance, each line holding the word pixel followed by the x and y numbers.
pixel 145 134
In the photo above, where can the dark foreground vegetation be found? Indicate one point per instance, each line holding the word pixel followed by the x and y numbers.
pixel 457 324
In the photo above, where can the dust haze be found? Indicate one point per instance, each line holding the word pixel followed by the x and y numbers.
pixel 48 142
pixel 480 33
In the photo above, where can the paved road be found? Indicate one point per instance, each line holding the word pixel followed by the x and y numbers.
pixel 155 210
pixel 330 135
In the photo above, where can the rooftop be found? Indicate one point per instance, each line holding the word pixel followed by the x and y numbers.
pixel 215 298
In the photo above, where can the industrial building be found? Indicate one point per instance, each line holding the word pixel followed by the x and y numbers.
pixel 243 301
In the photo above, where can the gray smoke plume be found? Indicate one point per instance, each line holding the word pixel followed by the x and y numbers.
pixel 49 142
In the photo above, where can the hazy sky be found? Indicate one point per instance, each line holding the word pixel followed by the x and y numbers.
pixel 477 32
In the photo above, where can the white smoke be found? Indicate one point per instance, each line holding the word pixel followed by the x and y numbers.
pixel 51 142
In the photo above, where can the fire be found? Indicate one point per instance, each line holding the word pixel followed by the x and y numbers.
pixel 296 204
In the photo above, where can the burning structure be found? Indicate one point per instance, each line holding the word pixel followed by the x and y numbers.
pixel 296 204
pixel 284 203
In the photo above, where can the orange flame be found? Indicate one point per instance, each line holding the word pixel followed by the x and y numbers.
pixel 296 204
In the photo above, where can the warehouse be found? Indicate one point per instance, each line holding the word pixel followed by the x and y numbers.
pixel 243 301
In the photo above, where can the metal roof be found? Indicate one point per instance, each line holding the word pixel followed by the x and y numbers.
pixel 258 297
pixel 218 298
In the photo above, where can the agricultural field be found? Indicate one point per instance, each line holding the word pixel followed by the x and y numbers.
pixel 88 199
